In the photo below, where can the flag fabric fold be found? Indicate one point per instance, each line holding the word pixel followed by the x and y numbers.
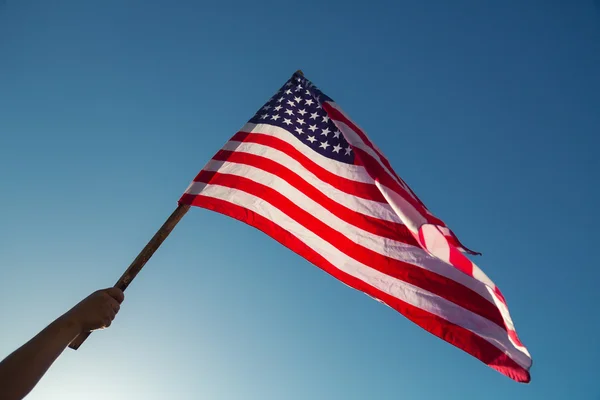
pixel 305 174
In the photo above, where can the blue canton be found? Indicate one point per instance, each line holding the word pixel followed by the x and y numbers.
pixel 296 108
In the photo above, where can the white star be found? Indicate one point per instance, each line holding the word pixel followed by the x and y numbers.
pixel 299 130
pixel 308 92
pixel 325 118
pixel 298 99
pixel 318 105
pixel 277 108
pixel 288 91
pixel 324 145
pixel 337 148
pixel 288 84
pixel 325 131
pixel 314 115
pixel 300 121
pixel 309 102
pixel 264 116
pixel 289 112
pixel 348 150
pixel 291 103
pixel 281 99
pixel 312 128
pixel 275 117
pixel 336 134
pixel 287 121
pixel 311 139
pixel 302 112
pixel 267 107
pixel 298 88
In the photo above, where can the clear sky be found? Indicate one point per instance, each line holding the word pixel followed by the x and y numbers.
pixel 490 110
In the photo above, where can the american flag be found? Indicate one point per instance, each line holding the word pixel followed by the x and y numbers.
pixel 303 173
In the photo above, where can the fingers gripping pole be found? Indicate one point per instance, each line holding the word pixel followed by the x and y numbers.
pixel 139 262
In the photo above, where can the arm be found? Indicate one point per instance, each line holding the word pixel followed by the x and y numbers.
pixel 22 370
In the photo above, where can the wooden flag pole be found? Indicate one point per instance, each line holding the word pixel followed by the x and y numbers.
pixel 139 262
pixel 147 252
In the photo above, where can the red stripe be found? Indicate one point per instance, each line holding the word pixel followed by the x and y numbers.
pixel 377 172
pixel 515 338
pixel 462 263
pixel 428 280
pixel 359 189
pixel 421 239
pixel 499 294
pixel 388 229
pixel 375 168
pixel 459 260
pixel 451 333
pixel 335 114
pixel 453 240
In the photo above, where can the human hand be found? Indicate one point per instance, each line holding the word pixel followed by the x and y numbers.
pixel 97 311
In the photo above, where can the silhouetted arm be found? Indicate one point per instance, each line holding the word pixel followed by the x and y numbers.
pixel 22 370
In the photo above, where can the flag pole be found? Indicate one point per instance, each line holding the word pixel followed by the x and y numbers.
pixel 147 252
pixel 139 262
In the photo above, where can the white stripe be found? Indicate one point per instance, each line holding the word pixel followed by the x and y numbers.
pixel 384 246
pixel 412 218
pixel 409 215
pixel 481 276
pixel 348 171
pixel 507 319
pixel 410 294
pixel 371 208
pixel 437 244
pixel 356 141
pixel 339 109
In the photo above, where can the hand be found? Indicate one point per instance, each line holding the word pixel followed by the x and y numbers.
pixel 97 311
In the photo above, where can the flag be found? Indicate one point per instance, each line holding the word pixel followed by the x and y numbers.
pixel 303 173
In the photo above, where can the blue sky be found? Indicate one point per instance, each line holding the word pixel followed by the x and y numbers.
pixel 488 109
